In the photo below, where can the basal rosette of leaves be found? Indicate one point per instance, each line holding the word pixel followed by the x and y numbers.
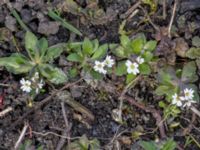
pixel 85 53
pixel 38 58
pixel 173 82
pixel 132 49
pixel 132 57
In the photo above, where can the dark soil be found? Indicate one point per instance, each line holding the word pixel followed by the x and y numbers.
pixel 100 101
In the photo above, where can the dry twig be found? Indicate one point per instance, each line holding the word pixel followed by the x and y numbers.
pixel 5 111
pixel 172 18
pixel 65 132
pixel 164 9
pixel 42 103
pixel 154 112
pixel 21 136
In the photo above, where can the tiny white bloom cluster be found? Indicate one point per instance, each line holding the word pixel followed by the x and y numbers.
pixel 99 66
pixel 25 85
pixel 185 99
pixel 132 67
pixel 28 85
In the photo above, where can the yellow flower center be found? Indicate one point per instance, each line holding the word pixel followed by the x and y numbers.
pixel 132 66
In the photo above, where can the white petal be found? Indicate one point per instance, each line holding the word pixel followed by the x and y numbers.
pixel 22 81
pixel 179 103
pixel 128 63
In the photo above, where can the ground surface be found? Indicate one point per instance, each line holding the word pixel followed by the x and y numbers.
pixel 99 100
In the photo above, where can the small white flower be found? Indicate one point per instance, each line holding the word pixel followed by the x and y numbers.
pixel 35 77
pixel 140 60
pixel 99 67
pixel 25 85
pixel 39 86
pixel 176 100
pixel 132 67
pixel 189 94
pixel 109 62
pixel 188 103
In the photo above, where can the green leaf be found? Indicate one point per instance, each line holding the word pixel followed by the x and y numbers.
pixel 125 41
pixel 119 52
pixel 63 22
pixel 145 69
pixel 121 68
pixel 129 78
pixel 147 56
pixel 96 45
pixel 87 47
pixel 73 73
pixel 42 46
pixel 189 72
pixel 96 75
pixel 53 74
pixel 16 63
pixel 193 53
pixel 74 57
pixel 31 43
pixel 167 76
pixel 113 46
pixel 162 104
pixel 137 45
pixel 162 90
pixel 150 45
pixel 169 145
pixel 196 41
pixel 53 52
pixel 148 145
pixel 101 52
pixel 73 45
pixel 19 20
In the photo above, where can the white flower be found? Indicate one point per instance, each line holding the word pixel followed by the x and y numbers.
pixel 35 77
pixel 25 85
pixel 140 60
pixel 99 67
pixel 188 103
pixel 109 62
pixel 39 86
pixel 132 67
pixel 176 100
pixel 189 94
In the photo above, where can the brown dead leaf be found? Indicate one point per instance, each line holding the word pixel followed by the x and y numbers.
pixel 125 140
pixel 165 50
pixel 181 47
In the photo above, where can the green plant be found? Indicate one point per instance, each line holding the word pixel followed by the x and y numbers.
pixel 27 145
pixel 84 144
pixel 39 59
pixel 88 53
pixel 169 144
pixel 63 22
pixel 134 55
pixel 178 87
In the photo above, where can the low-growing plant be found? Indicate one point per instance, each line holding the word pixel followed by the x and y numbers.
pixel 169 144
pixel 27 145
pixel 134 55
pixel 38 59
pixel 178 87
pixel 84 144
pixel 88 55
